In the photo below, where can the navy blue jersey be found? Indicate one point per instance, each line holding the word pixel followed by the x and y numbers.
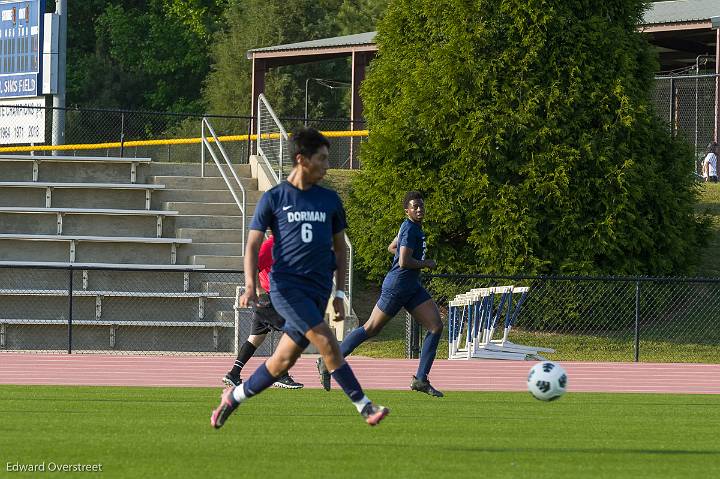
pixel 411 236
pixel 303 222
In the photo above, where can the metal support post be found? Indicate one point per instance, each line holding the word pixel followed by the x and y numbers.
pixel 637 321
pixel 70 310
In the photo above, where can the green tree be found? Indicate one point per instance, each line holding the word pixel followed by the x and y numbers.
pixel 359 16
pixel 527 123
pixel 253 24
pixel 149 54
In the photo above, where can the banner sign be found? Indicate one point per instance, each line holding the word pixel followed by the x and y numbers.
pixel 22 121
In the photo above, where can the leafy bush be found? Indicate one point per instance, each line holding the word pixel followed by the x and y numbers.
pixel 527 124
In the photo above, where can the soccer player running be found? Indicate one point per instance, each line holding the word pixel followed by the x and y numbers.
pixel 308 222
pixel 402 288
pixel 264 319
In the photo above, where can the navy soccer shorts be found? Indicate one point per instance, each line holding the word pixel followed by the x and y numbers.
pixel 393 300
pixel 301 309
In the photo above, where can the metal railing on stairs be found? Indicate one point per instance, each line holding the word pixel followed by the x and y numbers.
pixel 272 139
pixel 209 143
pixel 273 147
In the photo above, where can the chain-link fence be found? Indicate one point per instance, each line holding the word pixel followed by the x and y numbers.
pixel 687 104
pixel 603 319
pixel 171 137
pixel 136 311
pixel 344 150
pixel 142 311
pixel 168 137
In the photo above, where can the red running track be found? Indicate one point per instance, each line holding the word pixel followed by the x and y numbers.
pixel 474 375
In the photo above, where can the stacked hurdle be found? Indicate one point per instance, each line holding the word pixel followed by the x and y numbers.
pixel 473 318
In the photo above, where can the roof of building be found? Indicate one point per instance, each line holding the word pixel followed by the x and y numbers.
pixel 357 39
pixel 674 11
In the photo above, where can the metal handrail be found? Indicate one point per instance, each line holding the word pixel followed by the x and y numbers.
pixel 242 204
pixel 283 136
pixel 277 177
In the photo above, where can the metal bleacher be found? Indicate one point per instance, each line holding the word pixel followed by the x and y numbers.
pixel 139 236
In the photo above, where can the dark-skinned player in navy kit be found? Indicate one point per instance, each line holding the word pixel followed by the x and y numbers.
pixel 402 289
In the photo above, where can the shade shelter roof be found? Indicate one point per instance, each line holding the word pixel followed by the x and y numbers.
pixel 685 32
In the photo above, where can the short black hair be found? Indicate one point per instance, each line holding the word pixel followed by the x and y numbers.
pixel 411 195
pixel 711 147
pixel 307 141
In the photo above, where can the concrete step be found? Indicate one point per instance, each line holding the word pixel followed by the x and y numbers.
pixel 123 308
pixel 218 262
pixel 205 196
pixel 208 209
pixel 68 172
pixel 218 303
pixel 74 198
pixel 23 197
pixel 24 278
pixel 223 249
pixel 107 280
pixel 110 172
pixel 86 225
pixel 207 235
pixel 225 316
pixel 197 183
pixel 106 199
pixel 212 222
pixel 187 169
pixel 113 308
pixel 225 289
pixel 115 253
pixel 126 338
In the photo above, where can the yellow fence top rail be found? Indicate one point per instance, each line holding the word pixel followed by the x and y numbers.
pixel 174 141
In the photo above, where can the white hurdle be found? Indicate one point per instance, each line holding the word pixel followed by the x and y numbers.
pixel 473 318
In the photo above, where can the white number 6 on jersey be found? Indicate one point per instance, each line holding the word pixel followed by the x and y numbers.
pixel 306 232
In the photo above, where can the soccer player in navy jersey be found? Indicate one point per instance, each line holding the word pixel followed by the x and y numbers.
pixel 402 288
pixel 308 222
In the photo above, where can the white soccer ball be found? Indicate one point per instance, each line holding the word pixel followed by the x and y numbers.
pixel 547 381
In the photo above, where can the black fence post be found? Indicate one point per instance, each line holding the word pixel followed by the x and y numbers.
pixel 70 310
pixel 672 106
pixel 637 321
pixel 412 337
pixel 249 142
pixel 122 134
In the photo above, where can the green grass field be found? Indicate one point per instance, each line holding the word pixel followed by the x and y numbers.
pixel 165 432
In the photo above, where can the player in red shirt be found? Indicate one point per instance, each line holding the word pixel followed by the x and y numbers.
pixel 265 318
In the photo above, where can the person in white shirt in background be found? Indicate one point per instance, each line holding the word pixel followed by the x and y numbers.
pixel 710 163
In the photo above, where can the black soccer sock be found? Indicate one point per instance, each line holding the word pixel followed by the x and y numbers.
pixel 246 352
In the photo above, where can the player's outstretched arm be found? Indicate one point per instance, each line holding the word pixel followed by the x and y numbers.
pixel 254 240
